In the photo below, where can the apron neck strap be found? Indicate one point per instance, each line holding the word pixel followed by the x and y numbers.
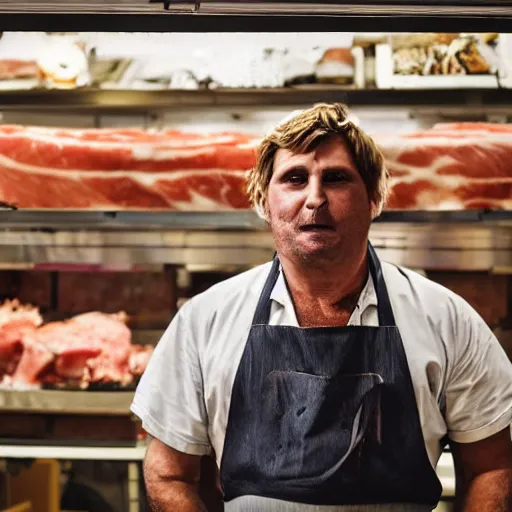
pixel 262 314
pixel 384 309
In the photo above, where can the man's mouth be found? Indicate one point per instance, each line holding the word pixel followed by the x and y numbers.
pixel 316 227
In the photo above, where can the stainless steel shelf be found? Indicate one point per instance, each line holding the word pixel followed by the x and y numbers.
pixel 466 240
pixel 129 100
pixel 129 220
pixel 55 219
pixel 107 403
pixel 111 453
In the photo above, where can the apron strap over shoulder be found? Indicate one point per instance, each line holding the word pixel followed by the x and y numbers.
pixel 262 314
pixel 384 309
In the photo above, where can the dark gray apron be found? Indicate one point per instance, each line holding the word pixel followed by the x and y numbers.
pixel 325 417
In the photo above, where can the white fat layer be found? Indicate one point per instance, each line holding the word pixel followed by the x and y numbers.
pixel 415 173
pixel 252 144
pixel 442 139
pixel 149 152
pixel 166 148
pixel 433 174
pixel 200 203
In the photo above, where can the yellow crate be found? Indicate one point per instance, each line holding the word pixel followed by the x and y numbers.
pixel 39 485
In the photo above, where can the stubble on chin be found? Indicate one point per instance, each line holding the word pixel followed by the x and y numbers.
pixel 290 247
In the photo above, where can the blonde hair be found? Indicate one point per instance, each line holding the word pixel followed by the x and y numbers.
pixel 302 133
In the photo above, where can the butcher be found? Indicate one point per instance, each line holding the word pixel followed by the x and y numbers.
pixel 326 379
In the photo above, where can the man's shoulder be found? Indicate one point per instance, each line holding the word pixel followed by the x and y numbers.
pixel 245 287
pixel 416 290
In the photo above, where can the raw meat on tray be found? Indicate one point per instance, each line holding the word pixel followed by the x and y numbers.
pixel 92 348
pixel 18 324
pixel 449 167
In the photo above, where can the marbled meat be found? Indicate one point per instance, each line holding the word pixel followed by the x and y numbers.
pixel 451 166
pixel 123 168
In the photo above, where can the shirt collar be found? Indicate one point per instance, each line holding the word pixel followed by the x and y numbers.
pixel 280 293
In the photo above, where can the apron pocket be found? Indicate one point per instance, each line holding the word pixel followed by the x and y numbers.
pixel 310 424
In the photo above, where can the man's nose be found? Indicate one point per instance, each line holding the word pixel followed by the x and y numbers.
pixel 316 195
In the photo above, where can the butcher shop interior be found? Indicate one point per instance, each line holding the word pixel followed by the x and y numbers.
pixel 126 135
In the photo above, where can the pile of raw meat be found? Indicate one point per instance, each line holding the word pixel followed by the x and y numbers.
pixel 93 348
pixel 449 167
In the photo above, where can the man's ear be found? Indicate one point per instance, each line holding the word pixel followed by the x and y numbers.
pixel 262 212
pixel 375 209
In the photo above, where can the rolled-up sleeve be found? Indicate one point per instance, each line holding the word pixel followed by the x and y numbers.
pixel 169 398
pixel 479 385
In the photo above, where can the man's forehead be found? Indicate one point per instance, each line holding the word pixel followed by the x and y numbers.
pixel 332 149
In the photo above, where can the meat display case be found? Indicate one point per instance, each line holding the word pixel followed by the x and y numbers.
pixel 468 240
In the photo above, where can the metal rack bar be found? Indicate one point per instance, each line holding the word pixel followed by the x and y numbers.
pixel 333 7
pixel 69 402
pixel 458 240
pixel 111 453
pixel 129 101
pixel 87 219
pixel 490 8
pixel 240 220
pixel 357 20
pixel 455 246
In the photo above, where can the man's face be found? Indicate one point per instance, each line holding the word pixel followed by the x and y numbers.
pixel 317 204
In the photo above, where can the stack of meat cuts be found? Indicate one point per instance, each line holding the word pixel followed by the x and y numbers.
pixel 452 166
pixel 89 348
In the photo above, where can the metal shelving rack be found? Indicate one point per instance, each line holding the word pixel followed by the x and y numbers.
pixel 127 101
pixel 468 240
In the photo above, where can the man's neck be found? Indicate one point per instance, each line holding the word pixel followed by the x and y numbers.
pixel 325 291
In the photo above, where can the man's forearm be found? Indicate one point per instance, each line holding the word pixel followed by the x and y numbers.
pixel 167 496
pixel 489 492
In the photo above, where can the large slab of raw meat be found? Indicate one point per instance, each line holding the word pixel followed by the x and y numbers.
pixel 452 166
pixel 123 168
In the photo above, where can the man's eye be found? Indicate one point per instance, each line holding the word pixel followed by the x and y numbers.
pixel 334 177
pixel 296 179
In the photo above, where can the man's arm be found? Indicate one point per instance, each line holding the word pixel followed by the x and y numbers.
pixel 172 479
pixel 484 474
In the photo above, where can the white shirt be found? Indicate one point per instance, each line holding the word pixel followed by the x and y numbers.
pixel 184 396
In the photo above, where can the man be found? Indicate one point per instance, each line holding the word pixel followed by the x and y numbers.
pixel 326 380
